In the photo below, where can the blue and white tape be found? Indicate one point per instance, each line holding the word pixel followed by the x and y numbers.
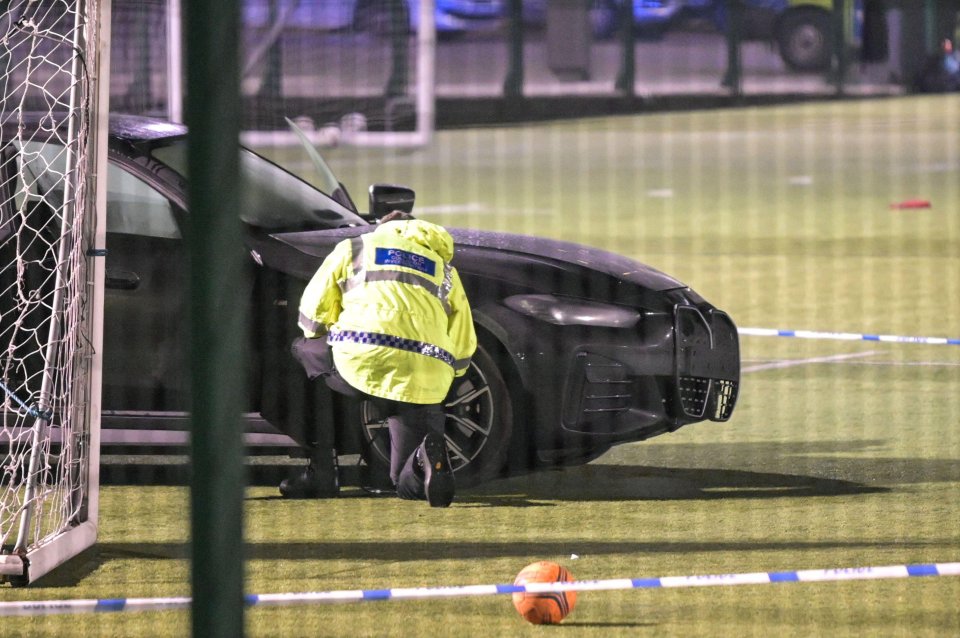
pixel 846 336
pixel 51 607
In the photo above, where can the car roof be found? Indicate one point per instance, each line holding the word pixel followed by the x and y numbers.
pixel 139 128
pixel 132 128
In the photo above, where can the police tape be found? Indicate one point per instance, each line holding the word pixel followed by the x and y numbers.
pixel 846 336
pixel 51 607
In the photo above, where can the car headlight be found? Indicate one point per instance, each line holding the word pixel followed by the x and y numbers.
pixel 572 312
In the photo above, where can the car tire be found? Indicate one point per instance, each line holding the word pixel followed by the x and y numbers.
pixel 478 429
pixel 804 37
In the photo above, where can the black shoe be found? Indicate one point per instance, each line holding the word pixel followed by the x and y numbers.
pixel 310 484
pixel 437 474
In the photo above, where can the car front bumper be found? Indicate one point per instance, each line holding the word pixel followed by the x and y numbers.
pixel 592 387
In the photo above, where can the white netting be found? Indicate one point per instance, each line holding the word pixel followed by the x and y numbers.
pixel 45 234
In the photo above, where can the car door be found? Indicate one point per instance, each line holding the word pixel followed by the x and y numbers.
pixel 144 338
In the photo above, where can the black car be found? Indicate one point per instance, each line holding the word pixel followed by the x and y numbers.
pixel 579 349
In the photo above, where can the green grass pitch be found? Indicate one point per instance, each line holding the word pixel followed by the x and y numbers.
pixel 839 453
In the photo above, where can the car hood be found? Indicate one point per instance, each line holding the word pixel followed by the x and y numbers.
pixel 320 243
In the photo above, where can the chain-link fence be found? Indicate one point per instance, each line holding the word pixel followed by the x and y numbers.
pixel 504 58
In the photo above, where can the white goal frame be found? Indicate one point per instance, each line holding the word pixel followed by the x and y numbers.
pixel 425 93
pixel 424 100
pixel 35 548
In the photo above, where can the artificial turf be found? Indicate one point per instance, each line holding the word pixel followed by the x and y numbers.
pixel 839 454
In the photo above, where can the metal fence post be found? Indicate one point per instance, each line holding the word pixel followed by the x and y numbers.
pixel 930 26
pixel 217 326
pixel 627 77
pixel 839 44
pixel 733 77
pixel 399 50
pixel 273 65
pixel 513 83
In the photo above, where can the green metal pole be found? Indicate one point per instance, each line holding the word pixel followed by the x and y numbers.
pixel 271 86
pixel 513 83
pixel 839 44
pixel 733 77
pixel 930 26
pixel 216 317
pixel 399 51
pixel 626 78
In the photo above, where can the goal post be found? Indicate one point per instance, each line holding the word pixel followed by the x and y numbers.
pixel 425 92
pixel 368 55
pixel 54 58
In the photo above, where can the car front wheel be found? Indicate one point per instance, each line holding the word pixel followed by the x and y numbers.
pixel 478 427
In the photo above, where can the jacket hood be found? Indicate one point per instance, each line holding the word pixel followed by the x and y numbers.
pixel 421 232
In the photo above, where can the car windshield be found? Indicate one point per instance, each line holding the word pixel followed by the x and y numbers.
pixel 274 199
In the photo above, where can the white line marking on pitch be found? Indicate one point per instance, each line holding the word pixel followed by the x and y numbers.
pixel 918 364
pixel 945 364
pixel 663 193
pixel 777 365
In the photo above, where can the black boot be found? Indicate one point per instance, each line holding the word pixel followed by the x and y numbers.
pixel 437 474
pixel 317 480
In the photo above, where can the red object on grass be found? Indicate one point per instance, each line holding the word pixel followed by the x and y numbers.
pixel 911 203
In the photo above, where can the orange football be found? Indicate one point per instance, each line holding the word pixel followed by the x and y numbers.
pixel 546 608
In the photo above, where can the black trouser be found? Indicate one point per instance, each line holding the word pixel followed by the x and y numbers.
pixel 408 423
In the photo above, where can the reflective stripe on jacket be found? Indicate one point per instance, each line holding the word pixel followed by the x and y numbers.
pixel 395 311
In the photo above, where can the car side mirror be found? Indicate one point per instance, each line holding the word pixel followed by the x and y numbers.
pixel 386 198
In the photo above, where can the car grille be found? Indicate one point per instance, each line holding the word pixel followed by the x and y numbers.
pixel 707 398
pixel 694 392
pixel 723 399
pixel 707 363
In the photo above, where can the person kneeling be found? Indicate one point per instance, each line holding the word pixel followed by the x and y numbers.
pixel 385 318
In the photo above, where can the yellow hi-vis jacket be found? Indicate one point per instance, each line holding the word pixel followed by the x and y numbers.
pixel 394 311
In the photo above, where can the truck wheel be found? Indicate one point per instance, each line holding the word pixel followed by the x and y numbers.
pixel 804 37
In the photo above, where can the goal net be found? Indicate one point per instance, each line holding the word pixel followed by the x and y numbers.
pixel 51 250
